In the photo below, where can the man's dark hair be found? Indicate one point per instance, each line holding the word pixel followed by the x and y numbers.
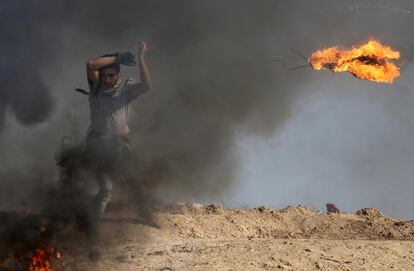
pixel 116 65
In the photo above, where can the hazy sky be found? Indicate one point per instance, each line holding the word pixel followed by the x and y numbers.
pixel 346 143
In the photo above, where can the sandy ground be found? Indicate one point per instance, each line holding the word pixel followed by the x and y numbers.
pixel 211 238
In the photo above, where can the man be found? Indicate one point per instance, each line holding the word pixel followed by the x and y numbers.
pixel 109 97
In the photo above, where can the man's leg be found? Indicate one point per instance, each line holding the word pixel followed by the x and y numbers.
pixel 104 194
pixel 141 203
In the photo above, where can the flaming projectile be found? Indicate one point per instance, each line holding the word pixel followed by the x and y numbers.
pixel 370 61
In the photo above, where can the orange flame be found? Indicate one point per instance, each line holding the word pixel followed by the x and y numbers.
pixel 369 61
pixel 41 259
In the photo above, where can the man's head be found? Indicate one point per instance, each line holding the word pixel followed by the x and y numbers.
pixel 109 74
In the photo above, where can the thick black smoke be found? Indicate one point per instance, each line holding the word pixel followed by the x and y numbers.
pixel 212 79
pixel 28 47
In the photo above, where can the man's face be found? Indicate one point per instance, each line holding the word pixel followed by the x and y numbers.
pixel 108 77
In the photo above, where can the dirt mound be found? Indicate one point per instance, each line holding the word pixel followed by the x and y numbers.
pixel 213 221
pixel 198 237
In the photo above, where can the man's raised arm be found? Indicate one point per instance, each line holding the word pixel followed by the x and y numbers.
pixel 136 89
pixel 93 65
pixel 145 75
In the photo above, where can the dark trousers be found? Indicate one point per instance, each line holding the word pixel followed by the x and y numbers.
pixel 106 155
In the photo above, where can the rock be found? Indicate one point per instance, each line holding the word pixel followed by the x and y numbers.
pixel 214 209
pixel 370 212
pixel 263 209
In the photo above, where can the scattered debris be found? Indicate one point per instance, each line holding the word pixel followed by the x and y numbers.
pixel 214 209
pixel 156 253
pixel 331 208
pixel 329 259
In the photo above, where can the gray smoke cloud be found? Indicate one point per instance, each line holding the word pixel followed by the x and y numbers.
pixel 213 77
pixel 210 77
pixel 347 140
pixel 23 42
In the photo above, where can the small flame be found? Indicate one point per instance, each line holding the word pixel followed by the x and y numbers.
pixel 369 61
pixel 40 261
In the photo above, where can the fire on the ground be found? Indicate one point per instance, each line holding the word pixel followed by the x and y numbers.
pixel 41 259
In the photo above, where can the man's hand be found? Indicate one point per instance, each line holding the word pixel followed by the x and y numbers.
pixel 144 73
pixel 142 48
pixel 126 59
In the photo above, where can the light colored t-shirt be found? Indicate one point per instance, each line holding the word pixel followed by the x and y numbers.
pixel 109 108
